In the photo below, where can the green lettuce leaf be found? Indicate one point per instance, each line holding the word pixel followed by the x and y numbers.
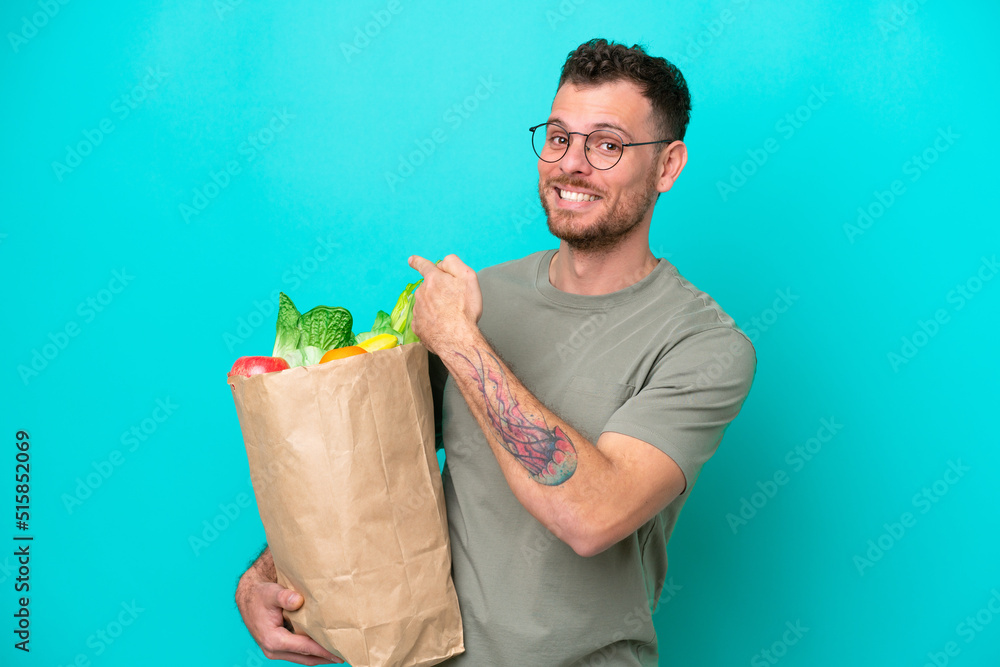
pixel 286 339
pixel 302 339
pixel 311 355
pixel 326 327
pixel 382 325
pixel 402 315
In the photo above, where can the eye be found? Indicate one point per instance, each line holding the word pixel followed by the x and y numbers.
pixel 556 136
pixel 606 143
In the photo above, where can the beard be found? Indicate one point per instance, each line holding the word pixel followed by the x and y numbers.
pixel 607 231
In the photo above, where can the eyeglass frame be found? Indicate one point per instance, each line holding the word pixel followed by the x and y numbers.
pixel 586 137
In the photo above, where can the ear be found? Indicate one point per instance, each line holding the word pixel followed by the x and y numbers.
pixel 670 164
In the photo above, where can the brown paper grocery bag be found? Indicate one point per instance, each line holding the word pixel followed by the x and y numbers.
pixel 346 476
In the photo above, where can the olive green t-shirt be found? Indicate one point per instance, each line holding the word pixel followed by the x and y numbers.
pixel 659 361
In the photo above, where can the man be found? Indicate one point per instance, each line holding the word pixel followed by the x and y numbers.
pixel 581 390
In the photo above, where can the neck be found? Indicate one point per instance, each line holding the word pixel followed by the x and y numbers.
pixel 593 273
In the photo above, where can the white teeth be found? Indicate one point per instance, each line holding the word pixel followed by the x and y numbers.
pixel 576 196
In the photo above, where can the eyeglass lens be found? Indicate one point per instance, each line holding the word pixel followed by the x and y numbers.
pixel 603 147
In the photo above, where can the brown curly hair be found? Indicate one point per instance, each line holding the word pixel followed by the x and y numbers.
pixel 599 61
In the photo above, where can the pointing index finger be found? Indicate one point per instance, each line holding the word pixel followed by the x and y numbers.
pixel 423 266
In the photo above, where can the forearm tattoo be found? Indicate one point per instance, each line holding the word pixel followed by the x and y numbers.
pixel 547 454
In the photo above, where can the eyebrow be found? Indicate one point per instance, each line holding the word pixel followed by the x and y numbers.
pixel 599 126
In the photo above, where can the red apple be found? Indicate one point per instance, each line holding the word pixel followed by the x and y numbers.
pixel 256 365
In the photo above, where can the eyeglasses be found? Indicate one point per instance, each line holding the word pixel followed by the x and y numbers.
pixel 603 148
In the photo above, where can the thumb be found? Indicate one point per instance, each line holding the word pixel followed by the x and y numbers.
pixel 289 599
pixel 423 266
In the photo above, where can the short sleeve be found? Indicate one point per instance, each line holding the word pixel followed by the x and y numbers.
pixel 692 395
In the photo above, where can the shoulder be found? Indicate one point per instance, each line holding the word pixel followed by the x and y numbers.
pixel 700 326
pixel 725 348
pixel 513 271
pixel 694 309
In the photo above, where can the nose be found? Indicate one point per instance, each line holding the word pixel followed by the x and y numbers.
pixel 575 159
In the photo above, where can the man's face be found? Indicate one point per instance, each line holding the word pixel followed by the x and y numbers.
pixel 626 192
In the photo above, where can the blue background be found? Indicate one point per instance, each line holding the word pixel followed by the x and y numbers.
pixel 362 149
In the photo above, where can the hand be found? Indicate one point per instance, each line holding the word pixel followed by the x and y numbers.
pixel 260 603
pixel 448 302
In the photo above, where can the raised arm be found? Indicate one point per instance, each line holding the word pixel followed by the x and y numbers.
pixel 589 495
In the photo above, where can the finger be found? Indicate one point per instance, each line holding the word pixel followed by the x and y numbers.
pixel 300 659
pixel 453 265
pixel 276 595
pixel 456 267
pixel 423 266
pixel 303 645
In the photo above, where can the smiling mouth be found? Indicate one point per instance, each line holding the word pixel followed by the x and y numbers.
pixel 570 195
